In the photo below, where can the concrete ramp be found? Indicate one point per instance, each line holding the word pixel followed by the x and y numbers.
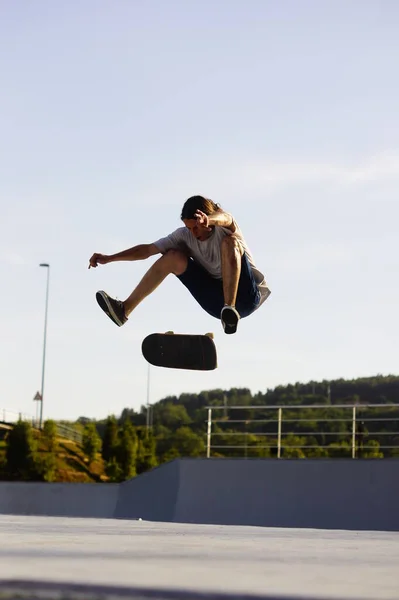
pixel 316 494
pixel 152 496
pixel 320 494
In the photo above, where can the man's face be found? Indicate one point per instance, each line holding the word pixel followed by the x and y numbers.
pixel 199 231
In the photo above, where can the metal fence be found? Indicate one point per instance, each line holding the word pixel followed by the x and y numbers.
pixel 69 433
pixel 9 417
pixel 361 430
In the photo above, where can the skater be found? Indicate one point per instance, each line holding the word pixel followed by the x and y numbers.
pixel 209 255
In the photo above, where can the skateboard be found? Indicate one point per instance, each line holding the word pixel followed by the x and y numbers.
pixel 180 351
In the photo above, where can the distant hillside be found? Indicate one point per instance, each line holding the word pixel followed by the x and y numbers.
pixel 179 422
pixel 120 447
pixel 367 390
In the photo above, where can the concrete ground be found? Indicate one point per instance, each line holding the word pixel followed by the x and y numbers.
pixel 202 558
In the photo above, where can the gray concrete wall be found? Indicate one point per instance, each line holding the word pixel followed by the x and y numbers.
pixel 96 500
pixel 326 494
pixel 320 494
pixel 151 496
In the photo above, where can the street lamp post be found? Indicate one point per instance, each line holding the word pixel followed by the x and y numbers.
pixel 44 343
pixel 148 398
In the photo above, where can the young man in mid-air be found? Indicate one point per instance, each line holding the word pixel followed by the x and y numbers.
pixel 210 257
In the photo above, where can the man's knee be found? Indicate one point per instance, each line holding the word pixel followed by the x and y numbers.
pixel 230 243
pixel 176 261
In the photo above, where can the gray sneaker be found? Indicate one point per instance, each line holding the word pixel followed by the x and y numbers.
pixel 113 308
pixel 229 317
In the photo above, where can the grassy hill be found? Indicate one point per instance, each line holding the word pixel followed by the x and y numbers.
pixel 70 462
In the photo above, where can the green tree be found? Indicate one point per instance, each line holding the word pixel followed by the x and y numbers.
pixel 257 446
pixel 169 455
pixel 110 440
pixel 50 435
pixel 127 451
pixel 170 415
pixel 315 451
pixel 340 450
pixel 21 453
pixel 91 441
pixel 113 470
pixel 164 442
pixel 188 443
pixel 146 451
pixel 3 467
pixel 293 446
pixel 372 450
pixel 47 467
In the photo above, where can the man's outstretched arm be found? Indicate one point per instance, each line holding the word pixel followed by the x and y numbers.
pixel 140 252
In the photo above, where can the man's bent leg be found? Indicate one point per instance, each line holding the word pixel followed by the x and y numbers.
pixel 231 270
pixel 204 288
pixel 173 261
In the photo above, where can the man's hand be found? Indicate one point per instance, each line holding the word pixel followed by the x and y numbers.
pixel 98 259
pixel 218 219
pixel 201 218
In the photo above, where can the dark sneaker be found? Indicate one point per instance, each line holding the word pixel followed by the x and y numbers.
pixel 230 317
pixel 113 308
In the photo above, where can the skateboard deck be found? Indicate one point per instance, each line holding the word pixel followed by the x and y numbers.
pixel 180 351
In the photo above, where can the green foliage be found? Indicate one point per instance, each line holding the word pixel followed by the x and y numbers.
pixel 170 415
pixel 91 441
pixel 110 440
pixel 293 447
pixel 187 443
pixel 316 452
pixel 179 428
pixel 113 471
pixel 163 437
pixel 127 451
pixel 50 434
pixel 3 467
pixel 340 450
pixel 21 449
pixel 46 467
pixel 372 450
pixel 146 451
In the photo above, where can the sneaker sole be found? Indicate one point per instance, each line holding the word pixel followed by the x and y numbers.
pixel 230 324
pixel 107 308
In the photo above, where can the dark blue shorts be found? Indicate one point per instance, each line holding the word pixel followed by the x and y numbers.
pixel 208 291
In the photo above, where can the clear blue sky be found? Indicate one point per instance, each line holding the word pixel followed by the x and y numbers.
pixel 113 113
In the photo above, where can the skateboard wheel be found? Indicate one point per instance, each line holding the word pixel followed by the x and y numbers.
pixel 210 335
pixel 169 332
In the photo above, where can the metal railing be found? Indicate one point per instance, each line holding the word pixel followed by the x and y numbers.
pixel 9 417
pixel 357 416
pixel 69 433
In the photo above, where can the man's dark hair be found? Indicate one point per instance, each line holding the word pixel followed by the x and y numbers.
pixel 198 203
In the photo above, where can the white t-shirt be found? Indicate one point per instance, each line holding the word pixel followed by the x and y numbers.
pixel 208 252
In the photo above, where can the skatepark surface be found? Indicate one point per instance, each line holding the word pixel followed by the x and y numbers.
pixel 168 560
pixel 221 529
